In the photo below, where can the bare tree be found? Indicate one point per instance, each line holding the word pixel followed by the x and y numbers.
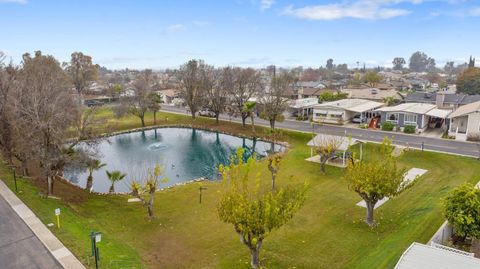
pixel 274 101
pixel 44 106
pixel 193 83
pixel 217 95
pixel 154 177
pixel 81 71
pixel 247 83
pixel 8 81
pixel 274 166
pixel 140 102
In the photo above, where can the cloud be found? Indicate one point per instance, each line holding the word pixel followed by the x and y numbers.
pixel 266 4
pixel 22 2
pixel 475 11
pixel 175 28
pixel 201 23
pixel 357 9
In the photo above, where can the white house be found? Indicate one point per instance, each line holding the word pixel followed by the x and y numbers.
pixel 342 111
pixel 302 107
pixel 465 122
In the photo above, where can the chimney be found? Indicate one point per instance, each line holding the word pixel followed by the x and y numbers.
pixel 440 99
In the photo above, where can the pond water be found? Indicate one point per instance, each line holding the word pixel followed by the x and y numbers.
pixel 184 153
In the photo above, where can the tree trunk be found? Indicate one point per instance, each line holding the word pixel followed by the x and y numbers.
pixel 24 168
pixel 272 124
pixel 273 182
pixel 89 182
pixel 155 117
pixel 217 115
pixel 150 205
pixel 370 209
pixel 49 185
pixel 193 113
pixel 243 120
pixel 150 210
pixel 112 189
pixel 322 167
pixel 142 118
pixel 255 255
pixel 253 121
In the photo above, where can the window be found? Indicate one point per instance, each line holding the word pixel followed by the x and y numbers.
pixel 321 114
pixel 392 117
pixel 410 119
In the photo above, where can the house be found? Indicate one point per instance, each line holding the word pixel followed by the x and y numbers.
pixel 373 94
pixel 442 100
pixel 307 89
pixel 167 95
pixel 420 256
pixel 465 122
pixel 302 107
pixel 419 115
pixel 342 111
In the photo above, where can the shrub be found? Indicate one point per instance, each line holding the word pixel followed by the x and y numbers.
pixel 409 129
pixel 387 126
pixel 363 126
pixel 461 210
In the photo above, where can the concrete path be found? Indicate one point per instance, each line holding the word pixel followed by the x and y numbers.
pixel 25 242
pixel 410 176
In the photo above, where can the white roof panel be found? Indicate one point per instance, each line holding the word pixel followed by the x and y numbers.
pixel 439 113
pixel 418 108
pixel 345 142
pixel 355 105
pixel 420 256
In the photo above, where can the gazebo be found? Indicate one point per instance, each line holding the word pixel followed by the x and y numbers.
pixel 343 144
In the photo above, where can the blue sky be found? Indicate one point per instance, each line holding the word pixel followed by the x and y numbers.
pixel 159 34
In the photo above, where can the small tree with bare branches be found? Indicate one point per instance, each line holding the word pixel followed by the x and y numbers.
pixel 326 147
pixel 154 177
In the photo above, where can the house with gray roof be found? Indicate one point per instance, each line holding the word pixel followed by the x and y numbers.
pixel 442 100
pixel 465 122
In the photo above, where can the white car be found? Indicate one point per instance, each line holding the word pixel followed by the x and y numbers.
pixel 357 119
pixel 206 113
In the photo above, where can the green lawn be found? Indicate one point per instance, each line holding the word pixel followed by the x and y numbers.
pixel 328 232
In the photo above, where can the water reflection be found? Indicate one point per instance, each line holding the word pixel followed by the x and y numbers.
pixel 184 153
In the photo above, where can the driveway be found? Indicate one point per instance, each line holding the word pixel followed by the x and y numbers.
pixel 19 247
pixel 414 141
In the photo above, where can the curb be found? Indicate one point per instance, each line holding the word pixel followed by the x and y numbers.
pixel 53 245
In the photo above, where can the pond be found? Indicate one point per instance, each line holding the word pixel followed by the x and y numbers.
pixel 184 153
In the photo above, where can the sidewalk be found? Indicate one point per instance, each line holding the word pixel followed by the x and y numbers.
pixel 62 255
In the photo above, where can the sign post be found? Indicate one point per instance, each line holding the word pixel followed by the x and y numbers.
pixel 57 214
pixel 200 189
pixel 96 237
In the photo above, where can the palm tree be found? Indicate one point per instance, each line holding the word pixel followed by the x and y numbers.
pixel 93 165
pixel 249 107
pixel 114 176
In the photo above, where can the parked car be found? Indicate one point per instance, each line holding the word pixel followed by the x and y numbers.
pixel 357 119
pixel 206 113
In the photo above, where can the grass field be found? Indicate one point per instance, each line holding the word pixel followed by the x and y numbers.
pixel 328 232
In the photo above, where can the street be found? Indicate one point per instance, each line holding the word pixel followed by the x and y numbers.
pixel 413 141
pixel 19 247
